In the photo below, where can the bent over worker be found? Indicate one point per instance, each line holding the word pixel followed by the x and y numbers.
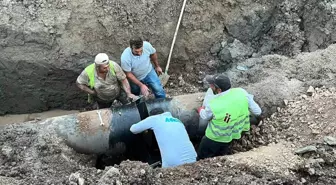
pixel 136 62
pixel 102 79
pixel 173 140
pixel 228 114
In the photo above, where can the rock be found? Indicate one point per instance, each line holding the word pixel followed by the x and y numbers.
pixel 304 96
pixel 310 91
pixel 112 172
pixel 215 48
pixel 239 50
pixel 74 177
pixel 286 102
pixel 143 172
pixel 303 180
pixel 118 182
pixel 311 171
pixel 80 181
pixel 159 175
pixel 212 64
pixel 330 140
pixel 7 151
pixel 181 81
pixel 306 149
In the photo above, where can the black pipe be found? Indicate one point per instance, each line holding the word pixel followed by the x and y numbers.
pixel 84 133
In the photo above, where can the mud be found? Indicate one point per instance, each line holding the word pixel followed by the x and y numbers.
pixel 45 44
pixel 261 45
pixel 19 118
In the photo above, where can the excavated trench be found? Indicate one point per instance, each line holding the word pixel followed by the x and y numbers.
pixel 44 45
pixel 124 145
pixel 260 45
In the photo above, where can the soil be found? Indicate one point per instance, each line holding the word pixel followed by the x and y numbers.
pixel 268 154
pixel 282 52
pixel 44 45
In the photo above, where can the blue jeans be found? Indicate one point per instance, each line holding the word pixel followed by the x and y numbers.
pixel 153 82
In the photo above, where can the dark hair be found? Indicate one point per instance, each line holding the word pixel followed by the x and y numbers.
pixel 156 111
pixel 136 42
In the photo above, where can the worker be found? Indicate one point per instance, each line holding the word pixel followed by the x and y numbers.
pixel 172 138
pixel 136 62
pixel 102 80
pixel 228 113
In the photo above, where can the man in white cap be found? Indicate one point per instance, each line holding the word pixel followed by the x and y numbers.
pixel 102 80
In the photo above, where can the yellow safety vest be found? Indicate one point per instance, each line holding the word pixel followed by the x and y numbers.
pixel 231 116
pixel 90 70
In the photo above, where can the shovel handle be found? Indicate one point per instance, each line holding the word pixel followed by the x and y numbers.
pixel 175 34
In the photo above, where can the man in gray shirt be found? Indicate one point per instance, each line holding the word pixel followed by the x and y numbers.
pixel 102 81
pixel 135 61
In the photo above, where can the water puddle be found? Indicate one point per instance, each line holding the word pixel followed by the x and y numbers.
pixel 19 118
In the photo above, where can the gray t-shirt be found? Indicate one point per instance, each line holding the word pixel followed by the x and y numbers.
pixel 108 89
pixel 140 66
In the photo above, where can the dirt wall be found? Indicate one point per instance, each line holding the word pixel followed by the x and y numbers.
pixel 45 44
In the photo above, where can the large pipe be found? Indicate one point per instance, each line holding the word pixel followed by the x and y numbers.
pixel 84 133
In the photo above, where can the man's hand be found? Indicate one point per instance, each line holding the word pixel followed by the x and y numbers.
pixel 260 119
pixel 158 70
pixel 132 96
pixel 199 109
pixel 144 90
pixel 93 92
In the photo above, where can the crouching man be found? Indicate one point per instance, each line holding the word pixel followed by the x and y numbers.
pixel 102 81
pixel 173 140
pixel 228 114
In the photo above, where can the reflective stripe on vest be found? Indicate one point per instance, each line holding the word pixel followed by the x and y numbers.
pixel 231 116
pixel 90 70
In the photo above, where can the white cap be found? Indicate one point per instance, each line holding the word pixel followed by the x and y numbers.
pixel 101 58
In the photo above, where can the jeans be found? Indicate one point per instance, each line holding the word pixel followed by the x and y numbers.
pixel 153 82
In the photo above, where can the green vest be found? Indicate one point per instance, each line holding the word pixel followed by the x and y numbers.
pixel 231 116
pixel 90 70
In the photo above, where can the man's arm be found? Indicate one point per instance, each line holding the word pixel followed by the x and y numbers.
pixel 127 89
pixel 143 88
pixel 206 113
pixel 154 59
pixel 253 106
pixel 82 83
pixel 142 125
pixel 86 89
pixel 126 86
pixel 153 56
pixel 131 76
pixel 123 80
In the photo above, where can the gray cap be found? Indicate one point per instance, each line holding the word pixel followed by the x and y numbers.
pixel 221 81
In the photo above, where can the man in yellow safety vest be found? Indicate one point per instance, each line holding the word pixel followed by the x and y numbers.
pixel 102 81
pixel 228 113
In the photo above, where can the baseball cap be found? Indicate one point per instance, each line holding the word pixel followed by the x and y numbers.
pixel 220 80
pixel 101 58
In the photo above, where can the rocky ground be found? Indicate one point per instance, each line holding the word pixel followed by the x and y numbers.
pixel 295 145
pixel 45 44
